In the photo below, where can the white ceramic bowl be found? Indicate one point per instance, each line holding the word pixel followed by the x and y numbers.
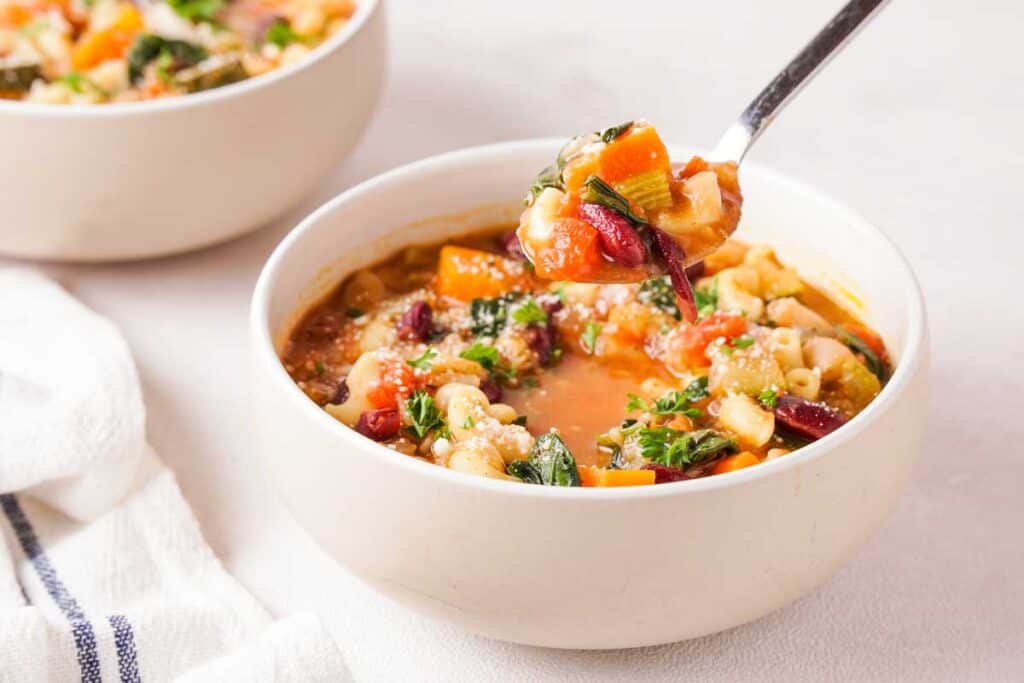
pixel 583 568
pixel 131 180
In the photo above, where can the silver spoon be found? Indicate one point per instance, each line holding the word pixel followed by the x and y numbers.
pixel 801 69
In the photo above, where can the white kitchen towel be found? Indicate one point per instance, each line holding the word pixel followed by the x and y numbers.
pixel 104 575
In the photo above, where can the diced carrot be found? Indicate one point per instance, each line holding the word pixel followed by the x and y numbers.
pixel 573 252
pixel 397 382
pixel 640 150
pixel 599 476
pixel 576 173
pixel 14 16
pixel 688 344
pixel 869 337
pixel 466 274
pixel 735 462
pixel 109 43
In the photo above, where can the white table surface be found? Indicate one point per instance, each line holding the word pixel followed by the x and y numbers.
pixel 918 125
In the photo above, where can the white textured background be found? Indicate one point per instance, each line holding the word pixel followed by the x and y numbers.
pixel 918 125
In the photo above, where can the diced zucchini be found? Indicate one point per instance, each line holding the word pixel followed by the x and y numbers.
pixel 18 76
pixel 650 189
pixel 212 72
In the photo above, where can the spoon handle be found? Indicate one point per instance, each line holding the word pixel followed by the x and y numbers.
pixel 755 118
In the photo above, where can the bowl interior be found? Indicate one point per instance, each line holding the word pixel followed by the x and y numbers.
pixel 455 193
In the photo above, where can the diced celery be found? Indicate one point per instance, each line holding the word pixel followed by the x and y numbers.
pixel 649 189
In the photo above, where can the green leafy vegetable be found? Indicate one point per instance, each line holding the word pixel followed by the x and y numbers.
pixel 697 390
pixel 676 448
pixel 469 422
pixel 529 312
pixel 424 361
pixel 550 463
pixel 768 398
pixel 609 134
pixel 490 315
pixel 588 340
pixel 674 402
pixel 280 33
pixel 743 342
pixel 354 313
pixel 520 420
pixel 876 365
pixel 424 414
pixel 658 292
pixel 485 355
pixel 197 10
pixel 706 299
pixel 320 367
pixel 550 176
pixel 174 54
pixel 597 191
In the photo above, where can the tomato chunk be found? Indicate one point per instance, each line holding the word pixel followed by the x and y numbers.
pixel 397 382
pixel 689 344
pixel 572 253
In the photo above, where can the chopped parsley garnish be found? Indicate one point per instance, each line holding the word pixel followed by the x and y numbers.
pixel 768 398
pixel 598 191
pixel 485 355
pixel 743 342
pixel 588 340
pixel 674 448
pixel 354 313
pixel 658 292
pixel 320 367
pixel 281 34
pixel 424 414
pixel 197 10
pixel 609 134
pixel 424 361
pixel 469 422
pixel 520 420
pixel 706 299
pixel 674 402
pixel 529 312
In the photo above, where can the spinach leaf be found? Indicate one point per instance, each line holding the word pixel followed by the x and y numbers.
pixel 658 292
pixel 490 315
pixel 177 53
pixel 609 134
pixel 424 413
pixel 598 191
pixel 550 463
pixel 674 448
pixel 697 390
pixel 876 365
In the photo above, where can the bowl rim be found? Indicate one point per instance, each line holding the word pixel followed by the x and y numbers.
pixel 264 351
pixel 364 10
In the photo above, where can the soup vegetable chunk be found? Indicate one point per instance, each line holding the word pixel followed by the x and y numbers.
pixel 91 51
pixel 612 209
pixel 460 355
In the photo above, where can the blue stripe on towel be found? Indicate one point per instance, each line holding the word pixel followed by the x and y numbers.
pixel 124 639
pixel 85 638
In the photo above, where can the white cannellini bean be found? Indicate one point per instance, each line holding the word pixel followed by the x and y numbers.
pixel 477 456
pixel 741 415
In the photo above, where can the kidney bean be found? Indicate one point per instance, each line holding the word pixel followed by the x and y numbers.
pixel 341 393
pixel 550 302
pixel 673 257
pixel 416 323
pixel 806 418
pixel 619 239
pixel 491 389
pixel 541 339
pixel 379 424
pixel 664 474
pixel 513 249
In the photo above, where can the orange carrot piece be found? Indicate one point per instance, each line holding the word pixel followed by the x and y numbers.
pixel 599 476
pixel 109 43
pixel 466 274
pixel 736 462
pixel 638 151
pixel 573 252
